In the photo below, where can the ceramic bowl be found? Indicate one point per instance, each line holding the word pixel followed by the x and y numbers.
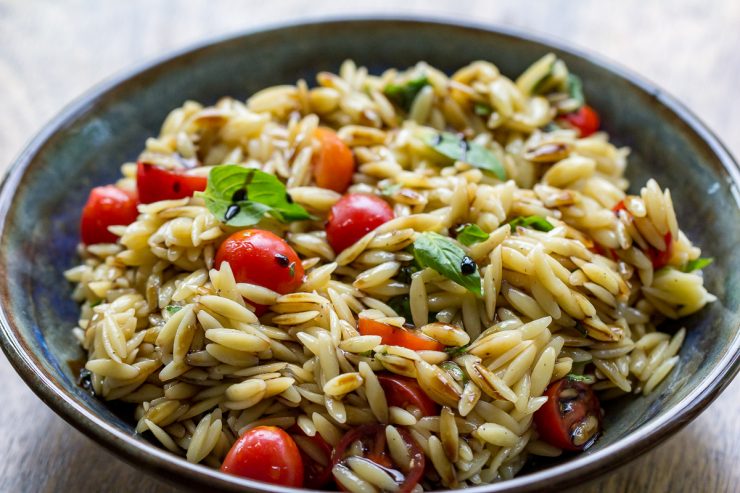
pixel 83 147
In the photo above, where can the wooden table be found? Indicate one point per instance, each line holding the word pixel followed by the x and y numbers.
pixel 51 52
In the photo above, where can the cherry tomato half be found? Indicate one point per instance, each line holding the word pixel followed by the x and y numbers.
pixel 354 216
pixel 263 258
pixel 657 257
pixel 266 453
pixel 156 183
pixel 373 443
pixel 404 392
pixel 317 464
pixel 333 163
pixel 396 336
pixel 571 417
pixel 585 119
pixel 106 206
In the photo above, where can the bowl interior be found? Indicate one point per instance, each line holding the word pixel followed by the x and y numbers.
pixel 85 148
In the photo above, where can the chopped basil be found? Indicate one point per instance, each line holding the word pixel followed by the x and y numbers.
pixel 455 371
pixel 469 234
pixel 697 264
pixel 404 94
pixel 575 89
pixel 402 306
pixel 241 196
pixel 482 109
pixel 579 378
pixel 367 354
pixel 456 148
pixel 542 82
pixel 535 222
pixel 454 352
pixel 446 257
pixel 390 189
pixel 95 303
pixel 292 269
pixel 172 309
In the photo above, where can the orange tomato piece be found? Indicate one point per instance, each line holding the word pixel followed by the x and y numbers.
pixel 396 336
pixel 333 163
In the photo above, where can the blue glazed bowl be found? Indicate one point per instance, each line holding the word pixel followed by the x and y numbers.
pixel 44 192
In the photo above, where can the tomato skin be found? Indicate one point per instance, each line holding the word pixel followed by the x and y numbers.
pixel 106 206
pixel 396 336
pixel 404 392
pixel 556 419
pixel 353 216
pixel 373 440
pixel 315 475
pixel 658 258
pixel 333 163
pixel 266 453
pixel 156 183
pixel 263 258
pixel 585 119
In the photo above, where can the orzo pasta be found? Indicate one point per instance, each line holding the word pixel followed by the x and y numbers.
pixel 397 282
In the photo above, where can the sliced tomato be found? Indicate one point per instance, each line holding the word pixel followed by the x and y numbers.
pixel 571 417
pixel 373 446
pixel 585 120
pixel 156 183
pixel 660 258
pixel 405 392
pixel 355 215
pixel 316 473
pixel 266 453
pixel 333 163
pixel 619 207
pixel 396 336
pixel 106 206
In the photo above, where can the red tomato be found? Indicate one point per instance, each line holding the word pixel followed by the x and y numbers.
pixel 266 453
pixel 658 258
pixel 404 392
pixel 106 206
pixel 333 163
pixel 396 336
pixel 260 257
pixel 571 417
pixel 585 119
pixel 156 183
pixel 315 474
pixel 373 441
pixel 354 216
pixel 619 207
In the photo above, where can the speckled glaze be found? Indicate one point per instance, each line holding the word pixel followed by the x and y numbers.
pixel 43 194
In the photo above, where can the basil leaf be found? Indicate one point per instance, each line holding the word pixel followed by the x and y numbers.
pixel 482 109
pixel 579 378
pixel 456 148
pixel 469 234
pixel 402 306
pixel 241 196
pixel 454 352
pixel 575 89
pixel 390 189
pixel 697 264
pixel 446 257
pixel 172 309
pixel 535 222
pixel 455 371
pixel 404 94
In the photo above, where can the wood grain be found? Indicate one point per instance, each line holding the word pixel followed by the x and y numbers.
pixel 52 51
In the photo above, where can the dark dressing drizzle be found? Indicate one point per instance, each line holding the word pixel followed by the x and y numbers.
pixel 231 212
pixel 282 260
pixel 467 266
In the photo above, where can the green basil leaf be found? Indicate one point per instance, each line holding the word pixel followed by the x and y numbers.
pixel 172 309
pixel 446 257
pixel 454 352
pixel 535 222
pixel 402 306
pixel 580 378
pixel 456 148
pixel 575 89
pixel 390 189
pixel 455 371
pixel 482 109
pixel 469 234
pixel 404 94
pixel 261 193
pixel 697 264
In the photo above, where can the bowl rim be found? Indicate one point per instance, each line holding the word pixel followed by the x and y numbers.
pixel 156 460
